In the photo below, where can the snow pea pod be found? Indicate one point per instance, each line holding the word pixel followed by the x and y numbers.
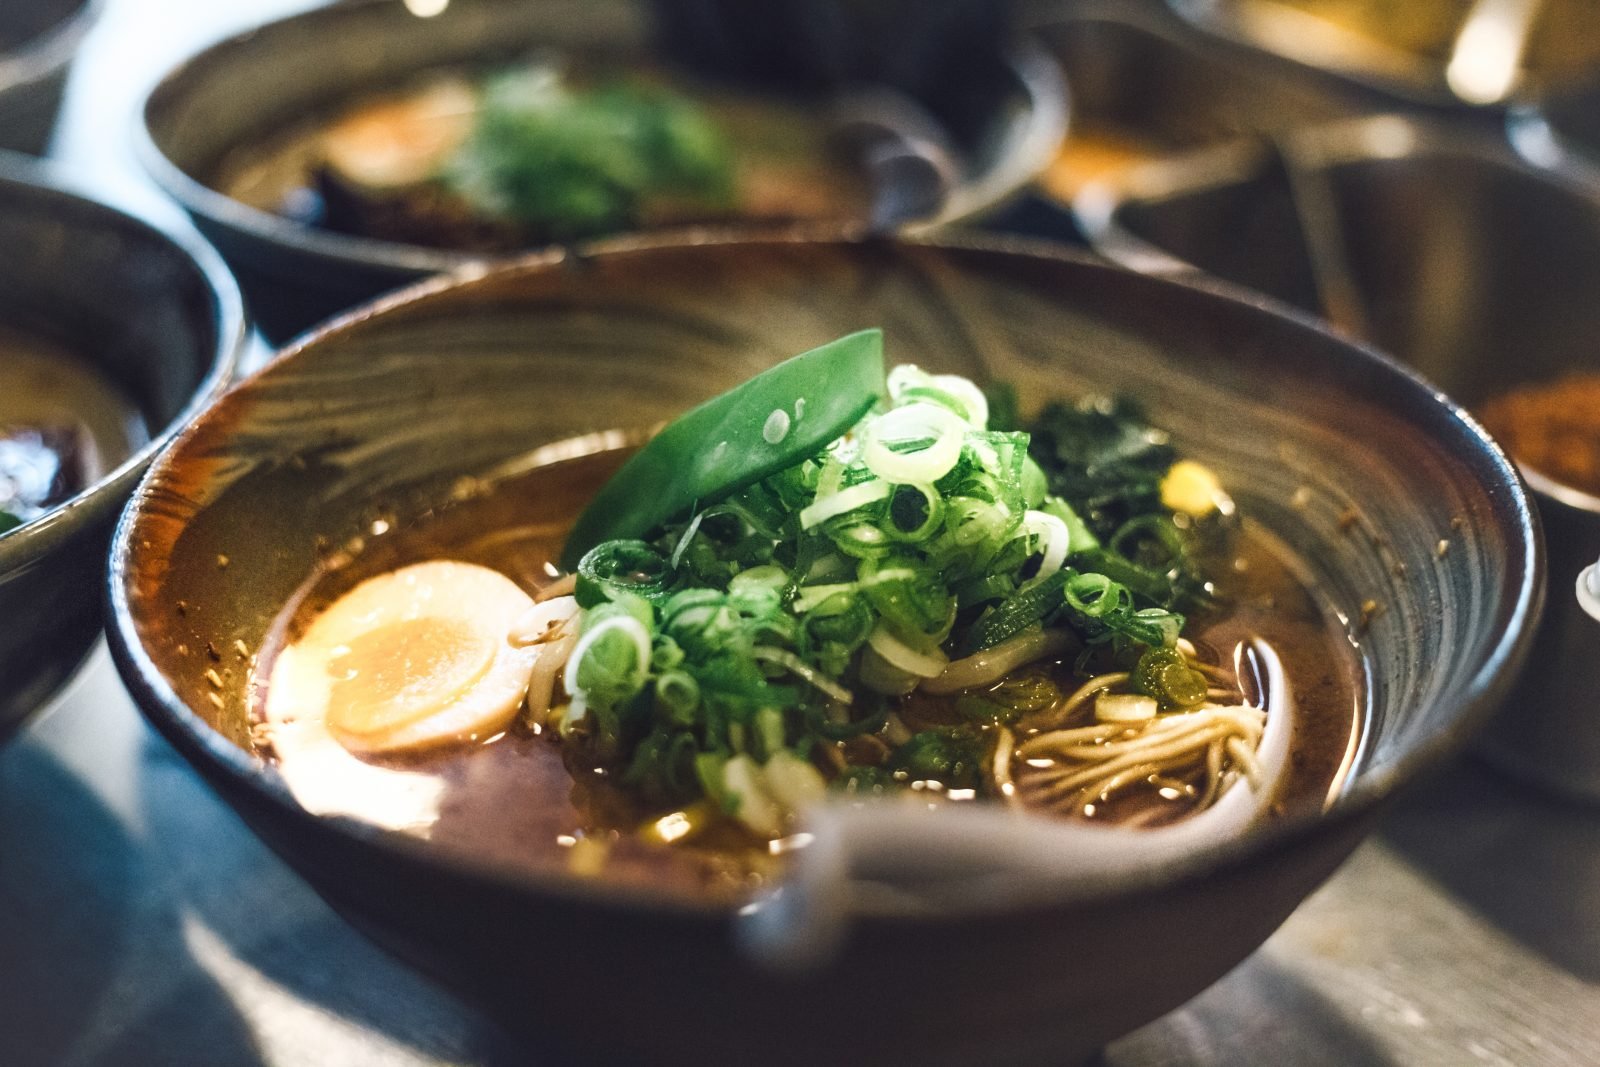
pixel 773 421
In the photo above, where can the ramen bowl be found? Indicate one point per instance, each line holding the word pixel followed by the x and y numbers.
pixel 156 318
pixel 249 90
pixel 38 39
pixel 1358 467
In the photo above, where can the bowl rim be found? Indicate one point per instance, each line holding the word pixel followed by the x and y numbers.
pixel 1475 697
pixel 45 182
pixel 1038 76
pixel 42 55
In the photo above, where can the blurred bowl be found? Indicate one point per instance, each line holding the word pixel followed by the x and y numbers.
pixel 368 412
pixel 1442 247
pixel 260 83
pixel 1207 93
pixel 159 317
pixel 38 39
pixel 1437 53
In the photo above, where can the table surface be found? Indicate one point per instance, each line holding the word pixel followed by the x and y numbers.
pixel 141 923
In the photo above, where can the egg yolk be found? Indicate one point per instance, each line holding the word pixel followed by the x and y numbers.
pixel 403 671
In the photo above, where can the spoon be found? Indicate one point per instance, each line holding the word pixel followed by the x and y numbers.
pixel 1486 59
pixel 908 154
pixel 905 858
pixel 1589 590
pixel 1316 205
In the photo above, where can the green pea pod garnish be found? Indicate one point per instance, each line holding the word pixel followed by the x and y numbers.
pixel 775 420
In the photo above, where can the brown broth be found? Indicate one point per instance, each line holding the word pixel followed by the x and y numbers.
pixel 523 801
pixel 62 426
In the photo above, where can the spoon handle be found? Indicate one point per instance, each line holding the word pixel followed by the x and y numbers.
pixel 1589 590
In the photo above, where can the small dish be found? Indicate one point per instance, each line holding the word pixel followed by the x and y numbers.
pixel 1209 92
pixel 153 316
pixel 38 39
pixel 1460 54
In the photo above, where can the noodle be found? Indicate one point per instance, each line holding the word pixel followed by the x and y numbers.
pixel 1191 756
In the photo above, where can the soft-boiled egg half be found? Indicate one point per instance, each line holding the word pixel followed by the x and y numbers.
pixel 413 659
pixel 409 660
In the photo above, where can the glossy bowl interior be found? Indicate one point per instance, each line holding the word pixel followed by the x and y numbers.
pixel 253 86
pixel 38 39
pixel 388 408
pixel 160 318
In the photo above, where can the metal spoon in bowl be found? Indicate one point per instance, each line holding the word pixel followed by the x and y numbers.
pixel 1589 589
pixel 910 158
pixel 903 858
pixel 1485 63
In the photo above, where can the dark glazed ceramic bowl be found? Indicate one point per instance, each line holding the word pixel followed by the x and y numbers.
pixel 1444 248
pixel 38 39
pixel 392 405
pixel 156 315
pixel 276 77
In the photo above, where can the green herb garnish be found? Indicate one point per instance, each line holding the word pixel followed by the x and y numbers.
pixel 577 162
pixel 759 584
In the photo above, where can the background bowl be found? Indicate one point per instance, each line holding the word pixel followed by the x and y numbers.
pixel 156 315
pixel 1305 428
pixel 251 86
pixel 38 39
pixel 1444 248
pixel 1443 53
pixel 1208 91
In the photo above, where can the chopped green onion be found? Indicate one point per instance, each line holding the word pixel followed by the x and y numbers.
pixel 920 442
pixel 1026 608
pixel 1165 675
pixel 915 512
pixel 910 383
pixel 619 566
pixel 844 501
